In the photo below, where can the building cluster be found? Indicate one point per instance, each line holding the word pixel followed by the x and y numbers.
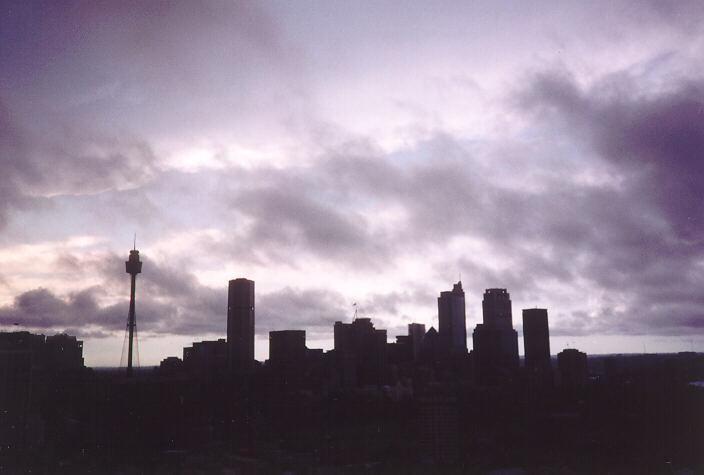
pixel 363 357
pixel 23 353
pixel 422 397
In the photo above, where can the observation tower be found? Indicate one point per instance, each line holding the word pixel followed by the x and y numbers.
pixel 133 266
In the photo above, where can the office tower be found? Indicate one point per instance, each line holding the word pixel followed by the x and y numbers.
pixel 287 350
pixel 63 352
pixel 536 337
pixel 495 341
pixel 451 320
pixel 416 334
pixel 496 308
pixel 572 365
pixel 240 325
pixel 431 351
pixel 206 358
pixel 361 352
pixel 133 266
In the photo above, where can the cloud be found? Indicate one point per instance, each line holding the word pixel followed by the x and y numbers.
pixel 654 138
pixel 41 309
pixel 643 239
pixel 313 310
pixel 38 164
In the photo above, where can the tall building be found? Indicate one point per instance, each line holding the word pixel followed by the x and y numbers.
pixel 240 325
pixel 416 334
pixel 451 320
pixel 572 365
pixel 496 308
pixel 361 352
pixel 495 341
pixel 536 337
pixel 536 343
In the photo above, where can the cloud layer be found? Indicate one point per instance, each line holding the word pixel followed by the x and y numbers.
pixel 335 158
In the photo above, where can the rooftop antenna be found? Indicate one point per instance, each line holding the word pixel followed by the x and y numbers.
pixel 134 242
pixel 355 311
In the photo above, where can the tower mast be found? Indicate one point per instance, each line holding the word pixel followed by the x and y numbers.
pixel 133 266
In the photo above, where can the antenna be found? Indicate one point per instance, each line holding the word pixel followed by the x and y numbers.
pixel 355 311
pixel 134 243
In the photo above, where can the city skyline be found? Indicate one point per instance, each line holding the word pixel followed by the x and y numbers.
pixel 339 155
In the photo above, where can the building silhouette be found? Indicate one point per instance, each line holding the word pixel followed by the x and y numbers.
pixel 407 348
pixel 287 350
pixel 495 341
pixel 206 358
pixel 572 365
pixel 240 325
pixel 536 336
pixel 416 335
pixel 23 352
pixel 496 308
pixel 536 345
pixel 451 320
pixel 360 352
pixel 63 352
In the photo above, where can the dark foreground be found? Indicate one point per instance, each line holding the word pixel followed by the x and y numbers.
pixel 647 417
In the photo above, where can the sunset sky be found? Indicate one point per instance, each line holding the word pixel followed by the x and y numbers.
pixel 341 152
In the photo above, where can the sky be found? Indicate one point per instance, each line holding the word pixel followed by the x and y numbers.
pixel 352 152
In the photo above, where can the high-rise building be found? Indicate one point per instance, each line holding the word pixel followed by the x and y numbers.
pixel 536 343
pixel 451 320
pixel 536 337
pixel 495 341
pixel 416 334
pixel 240 325
pixel 361 352
pixel 496 308
pixel 572 364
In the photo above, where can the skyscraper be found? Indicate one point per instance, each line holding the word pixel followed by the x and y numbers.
pixel 361 352
pixel 451 320
pixel 572 364
pixel 536 337
pixel 240 325
pixel 416 333
pixel 496 307
pixel 495 341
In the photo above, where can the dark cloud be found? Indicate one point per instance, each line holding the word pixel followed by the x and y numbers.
pixel 655 139
pixel 169 301
pixel 41 309
pixel 642 238
pixel 36 165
